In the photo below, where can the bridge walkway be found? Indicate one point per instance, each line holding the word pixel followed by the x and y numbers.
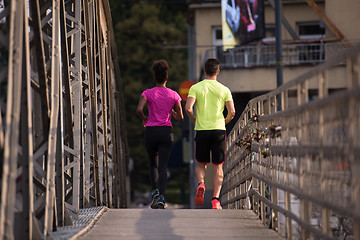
pixel 178 224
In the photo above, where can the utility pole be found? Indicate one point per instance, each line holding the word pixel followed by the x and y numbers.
pixel 189 140
pixel 278 37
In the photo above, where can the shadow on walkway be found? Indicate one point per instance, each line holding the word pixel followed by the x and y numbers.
pixel 156 228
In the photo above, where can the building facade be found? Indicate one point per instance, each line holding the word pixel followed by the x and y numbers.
pixel 312 31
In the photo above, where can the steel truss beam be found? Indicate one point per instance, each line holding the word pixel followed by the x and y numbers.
pixel 61 147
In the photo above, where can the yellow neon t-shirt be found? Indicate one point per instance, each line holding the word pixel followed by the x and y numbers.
pixel 210 98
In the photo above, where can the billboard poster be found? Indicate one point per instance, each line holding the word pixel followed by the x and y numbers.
pixel 242 21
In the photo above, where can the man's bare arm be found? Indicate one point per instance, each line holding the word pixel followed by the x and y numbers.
pixel 230 111
pixel 189 108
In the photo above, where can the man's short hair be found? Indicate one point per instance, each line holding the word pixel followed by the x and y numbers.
pixel 211 66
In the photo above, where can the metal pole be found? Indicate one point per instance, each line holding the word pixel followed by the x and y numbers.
pixel 27 185
pixel 50 199
pixel 278 37
pixel 92 96
pixel 12 120
pixel 102 75
pixel 190 138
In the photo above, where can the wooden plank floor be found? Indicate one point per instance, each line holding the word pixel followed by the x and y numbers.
pixel 178 224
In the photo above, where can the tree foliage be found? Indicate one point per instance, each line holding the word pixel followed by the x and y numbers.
pixel 143 29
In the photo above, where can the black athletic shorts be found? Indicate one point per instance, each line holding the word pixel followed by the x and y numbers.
pixel 210 142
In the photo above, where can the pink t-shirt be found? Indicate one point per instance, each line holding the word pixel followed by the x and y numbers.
pixel 160 103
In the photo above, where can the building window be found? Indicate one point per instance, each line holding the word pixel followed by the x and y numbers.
pixel 217 36
pixel 269 30
pixel 311 53
pixel 310 29
pixel 269 33
pixel 217 41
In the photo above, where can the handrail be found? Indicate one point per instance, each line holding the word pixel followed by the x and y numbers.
pixel 292 157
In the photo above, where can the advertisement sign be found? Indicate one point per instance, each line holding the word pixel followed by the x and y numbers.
pixel 242 21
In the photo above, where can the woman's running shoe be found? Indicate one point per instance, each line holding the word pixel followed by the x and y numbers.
pixel 160 202
pixel 154 196
pixel 199 197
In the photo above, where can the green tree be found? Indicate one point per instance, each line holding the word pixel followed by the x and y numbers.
pixel 142 30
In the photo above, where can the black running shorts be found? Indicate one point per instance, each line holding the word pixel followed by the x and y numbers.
pixel 210 142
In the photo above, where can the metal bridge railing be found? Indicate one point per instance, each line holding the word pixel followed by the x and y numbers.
pixel 265 55
pixel 62 124
pixel 293 156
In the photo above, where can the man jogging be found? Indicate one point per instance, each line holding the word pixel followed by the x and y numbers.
pixel 210 97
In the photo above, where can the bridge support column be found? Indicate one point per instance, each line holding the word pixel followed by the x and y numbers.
pixel 288 220
pixel 262 206
pixel 274 214
pixel 255 199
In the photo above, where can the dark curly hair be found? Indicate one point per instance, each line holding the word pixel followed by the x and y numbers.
pixel 160 69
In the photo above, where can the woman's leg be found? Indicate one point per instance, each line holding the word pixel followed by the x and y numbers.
pixel 151 148
pixel 164 155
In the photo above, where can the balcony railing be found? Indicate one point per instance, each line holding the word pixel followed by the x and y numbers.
pixel 265 55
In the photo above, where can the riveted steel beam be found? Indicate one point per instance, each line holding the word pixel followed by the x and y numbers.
pixel 12 118
pixel 60 143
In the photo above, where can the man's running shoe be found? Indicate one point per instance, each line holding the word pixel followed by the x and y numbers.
pixel 216 204
pixel 160 202
pixel 154 196
pixel 199 197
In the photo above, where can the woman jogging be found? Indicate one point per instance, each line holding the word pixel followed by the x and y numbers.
pixel 162 103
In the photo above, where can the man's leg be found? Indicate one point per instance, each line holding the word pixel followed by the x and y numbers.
pixel 218 153
pixel 200 171
pixel 200 175
pixel 218 179
pixel 202 155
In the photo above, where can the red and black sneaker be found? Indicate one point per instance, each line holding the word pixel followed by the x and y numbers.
pixel 216 204
pixel 199 198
